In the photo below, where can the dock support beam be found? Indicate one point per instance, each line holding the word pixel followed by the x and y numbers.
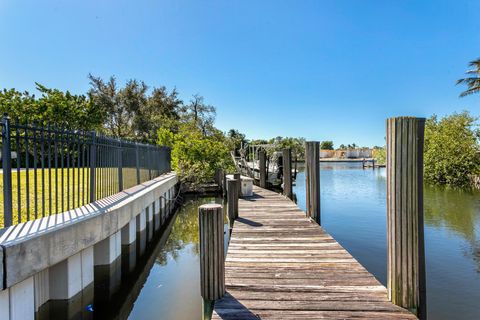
pixel 287 173
pixel 405 234
pixel 262 167
pixel 232 200
pixel 312 175
pixel 212 255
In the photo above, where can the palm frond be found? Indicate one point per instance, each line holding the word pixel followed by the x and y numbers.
pixel 470 91
pixel 472 83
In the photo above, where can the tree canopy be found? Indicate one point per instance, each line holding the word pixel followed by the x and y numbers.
pixel 326 145
pixel 54 107
pixel 451 149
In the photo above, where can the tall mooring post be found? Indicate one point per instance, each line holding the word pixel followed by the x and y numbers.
pixel 219 178
pixel 287 173
pixel 212 255
pixel 312 175
pixel 406 251
pixel 237 177
pixel 224 184
pixel 232 200
pixel 262 167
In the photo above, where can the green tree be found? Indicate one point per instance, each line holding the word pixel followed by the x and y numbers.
pixel 472 81
pixel 380 155
pixel 451 149
pixel 54 107
pixel 196 156
pixel 200 113
pixel 130 112
pixel 236 139
pixel 120 105
pixel 326 145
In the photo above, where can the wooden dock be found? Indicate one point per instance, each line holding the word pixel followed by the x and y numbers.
pixel 280 265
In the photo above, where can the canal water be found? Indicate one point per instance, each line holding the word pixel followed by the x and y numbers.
pixel 353 211
pixel 166 283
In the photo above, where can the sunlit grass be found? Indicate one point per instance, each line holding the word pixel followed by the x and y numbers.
pixel 59 190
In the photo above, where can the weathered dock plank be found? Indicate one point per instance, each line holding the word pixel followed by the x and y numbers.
pixel 280 265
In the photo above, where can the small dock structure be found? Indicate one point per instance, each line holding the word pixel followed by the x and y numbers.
pixel 282 265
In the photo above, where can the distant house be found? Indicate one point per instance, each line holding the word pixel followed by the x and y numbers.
pixel 356 153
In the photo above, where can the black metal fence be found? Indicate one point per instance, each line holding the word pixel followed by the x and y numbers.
pixel 48 170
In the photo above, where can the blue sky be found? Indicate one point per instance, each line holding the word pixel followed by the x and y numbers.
pixel 324 70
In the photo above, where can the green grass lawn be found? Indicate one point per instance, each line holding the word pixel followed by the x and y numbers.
pixel 75 191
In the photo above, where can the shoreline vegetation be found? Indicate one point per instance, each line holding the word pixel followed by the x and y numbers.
pixel 158 115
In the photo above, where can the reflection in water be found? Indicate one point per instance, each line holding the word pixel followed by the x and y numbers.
pixel 353 205
pixel 157 276
pixel 172 290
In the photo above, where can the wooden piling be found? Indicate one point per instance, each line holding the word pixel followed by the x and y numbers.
pixel 287 173
pixel 218 178
pixel 262 167
pixel 224 184
pixel 212 255
pixel 238 178
pixel 406 253
pixel 232 200
pixel 312 175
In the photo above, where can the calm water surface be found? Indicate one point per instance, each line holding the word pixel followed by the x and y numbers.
pixel 353 206
pixel 354 212
pixel 172 289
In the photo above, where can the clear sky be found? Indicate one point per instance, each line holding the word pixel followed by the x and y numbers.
pixel 324 70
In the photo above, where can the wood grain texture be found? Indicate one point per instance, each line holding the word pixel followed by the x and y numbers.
pixel 406 266
pixel 287 173
pixel 232 200
pixel 262 167
pixel 212 264
pixel 312 174
pixel 280 265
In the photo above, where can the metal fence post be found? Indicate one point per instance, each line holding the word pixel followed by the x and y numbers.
pixel 93 159
pixel 169 159
pixel 120 166
pixel 7 172
pixel 149 155
pixel 137 162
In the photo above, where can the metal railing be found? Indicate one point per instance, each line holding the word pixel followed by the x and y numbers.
pixel 49 170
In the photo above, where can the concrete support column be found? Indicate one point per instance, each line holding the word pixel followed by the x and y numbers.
pixel 149 212
pixel 5 304
pixel 42 288
pixel 141 232
pixel 71 276
pixel 141 221
pixel 108 268
pixel 108 250
pixel 156 214
pixel 129 232
pixel 129 251
pixel 18 301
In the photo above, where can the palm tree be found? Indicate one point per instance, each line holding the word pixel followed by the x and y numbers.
pixel 473 81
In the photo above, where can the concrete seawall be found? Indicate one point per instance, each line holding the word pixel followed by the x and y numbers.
pixel 54 258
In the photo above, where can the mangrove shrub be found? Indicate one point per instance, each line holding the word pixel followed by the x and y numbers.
pixel 451 149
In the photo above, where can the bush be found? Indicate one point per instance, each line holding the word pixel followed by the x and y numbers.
pixel 451 149
pixel 196 156
pixel 380 155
